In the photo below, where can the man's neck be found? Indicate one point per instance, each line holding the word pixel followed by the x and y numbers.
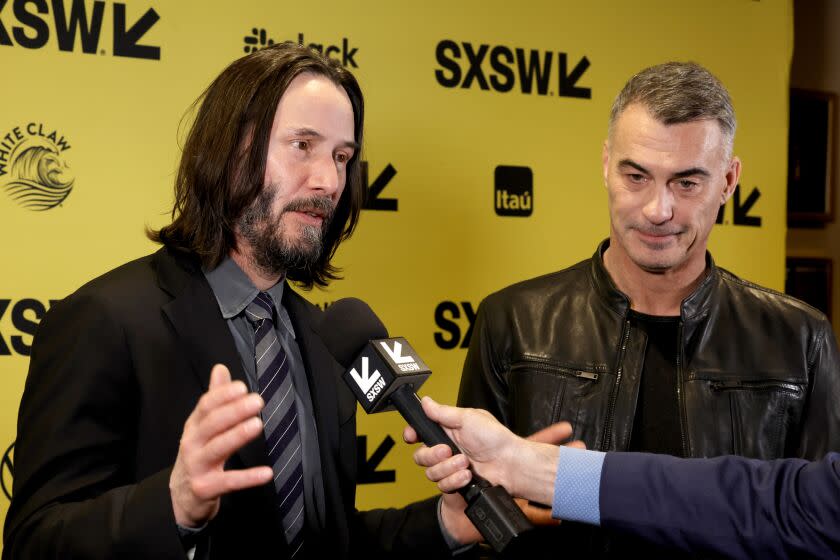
pixel 653 293
pixel 263 281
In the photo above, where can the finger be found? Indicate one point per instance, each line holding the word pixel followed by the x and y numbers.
pixel 536 514
pixel 225 416
pixel 219 375
pixel 409 435
pixel 217 483
pixel 219 448
pixel 218 394
pixel 447 467
pixel 455 481
pixel 447 416
pixel 430 456
pixel 577 444
pixel 556 433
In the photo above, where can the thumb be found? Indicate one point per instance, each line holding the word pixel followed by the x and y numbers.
pixel 446 416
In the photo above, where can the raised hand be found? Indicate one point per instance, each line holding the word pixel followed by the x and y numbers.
pixel 225 418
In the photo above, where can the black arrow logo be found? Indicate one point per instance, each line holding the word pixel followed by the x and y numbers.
pixel 125 42
pixel 366 468
pixel 741 212
pixel 372 201
pixel 568 81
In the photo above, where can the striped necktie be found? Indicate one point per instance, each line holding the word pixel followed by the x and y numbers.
pixel 280 421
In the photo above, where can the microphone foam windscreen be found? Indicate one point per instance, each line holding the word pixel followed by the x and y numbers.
pixel 346 326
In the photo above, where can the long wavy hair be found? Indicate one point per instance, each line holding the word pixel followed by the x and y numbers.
pixel 222 169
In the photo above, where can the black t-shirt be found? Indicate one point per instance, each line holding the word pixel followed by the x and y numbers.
pixel 656 425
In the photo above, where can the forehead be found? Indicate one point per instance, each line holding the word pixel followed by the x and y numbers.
pixel 639 136
pixel 313 101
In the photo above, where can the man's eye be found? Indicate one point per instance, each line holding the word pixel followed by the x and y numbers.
pixel 636 177
pixel 686 184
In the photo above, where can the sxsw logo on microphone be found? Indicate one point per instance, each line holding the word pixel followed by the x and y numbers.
pixel 380 368
pixel 371 384
pixel 514 191
pixel 404 363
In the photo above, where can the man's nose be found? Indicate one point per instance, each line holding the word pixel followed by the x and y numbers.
pixel 659 207
pixel 325 176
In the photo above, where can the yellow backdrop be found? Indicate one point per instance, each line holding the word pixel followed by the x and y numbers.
pixel 469 102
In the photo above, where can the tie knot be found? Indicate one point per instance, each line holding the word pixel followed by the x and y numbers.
pixel 260 309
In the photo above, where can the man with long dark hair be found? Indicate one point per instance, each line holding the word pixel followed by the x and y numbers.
pixel 131 442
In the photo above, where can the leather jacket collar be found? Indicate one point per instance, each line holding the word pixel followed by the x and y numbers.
pixel 695 305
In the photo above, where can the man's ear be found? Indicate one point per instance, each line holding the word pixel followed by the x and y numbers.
pixel 733 174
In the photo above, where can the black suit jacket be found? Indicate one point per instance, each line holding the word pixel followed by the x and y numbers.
pixel 116 369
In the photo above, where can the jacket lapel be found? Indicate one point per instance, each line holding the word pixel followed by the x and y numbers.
pixel 201 330
pixel 320 369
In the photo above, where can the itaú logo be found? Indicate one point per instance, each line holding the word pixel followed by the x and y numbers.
pixel 33 168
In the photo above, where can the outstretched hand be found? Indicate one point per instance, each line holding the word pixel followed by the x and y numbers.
pixel 225 418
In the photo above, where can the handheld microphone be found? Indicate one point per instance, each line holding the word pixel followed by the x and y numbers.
pixel 384 374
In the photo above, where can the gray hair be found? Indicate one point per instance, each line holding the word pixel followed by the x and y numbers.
pixel 679 92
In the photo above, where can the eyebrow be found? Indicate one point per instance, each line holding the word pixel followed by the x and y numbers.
pixel 312 133
pixel 678 175
pixel 634 165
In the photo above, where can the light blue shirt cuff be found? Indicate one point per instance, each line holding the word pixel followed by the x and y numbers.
pixel 577 488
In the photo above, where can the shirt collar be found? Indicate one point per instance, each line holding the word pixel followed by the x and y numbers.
pixel 234 291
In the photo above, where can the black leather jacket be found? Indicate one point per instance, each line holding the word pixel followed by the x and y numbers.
pixel 757 371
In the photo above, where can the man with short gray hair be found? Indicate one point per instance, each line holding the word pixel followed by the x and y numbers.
pixel 648 345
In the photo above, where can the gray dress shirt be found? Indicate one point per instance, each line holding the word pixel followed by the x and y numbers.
pixel 234 291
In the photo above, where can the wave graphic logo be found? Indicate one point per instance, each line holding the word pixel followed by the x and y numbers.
pixel 37 176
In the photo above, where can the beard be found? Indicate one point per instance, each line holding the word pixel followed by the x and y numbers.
pixel 273 252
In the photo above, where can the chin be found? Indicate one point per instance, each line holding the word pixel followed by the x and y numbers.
pixel 655 263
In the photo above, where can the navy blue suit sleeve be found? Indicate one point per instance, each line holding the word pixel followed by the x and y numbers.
pixel 731 506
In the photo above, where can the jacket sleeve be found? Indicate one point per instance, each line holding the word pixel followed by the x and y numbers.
pixel 821 421
pixel 409 532
pixel 75 495
pixel 729 506
pixel 483 381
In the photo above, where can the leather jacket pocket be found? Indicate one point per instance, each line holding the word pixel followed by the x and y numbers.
pixel 749 416
pixel 544 391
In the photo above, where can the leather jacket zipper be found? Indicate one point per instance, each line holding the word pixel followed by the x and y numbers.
pixel 543 364
pixel 745 385
pixel 680 393
pixel 607 437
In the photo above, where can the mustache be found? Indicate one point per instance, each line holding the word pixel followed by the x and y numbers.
pixel 319 205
